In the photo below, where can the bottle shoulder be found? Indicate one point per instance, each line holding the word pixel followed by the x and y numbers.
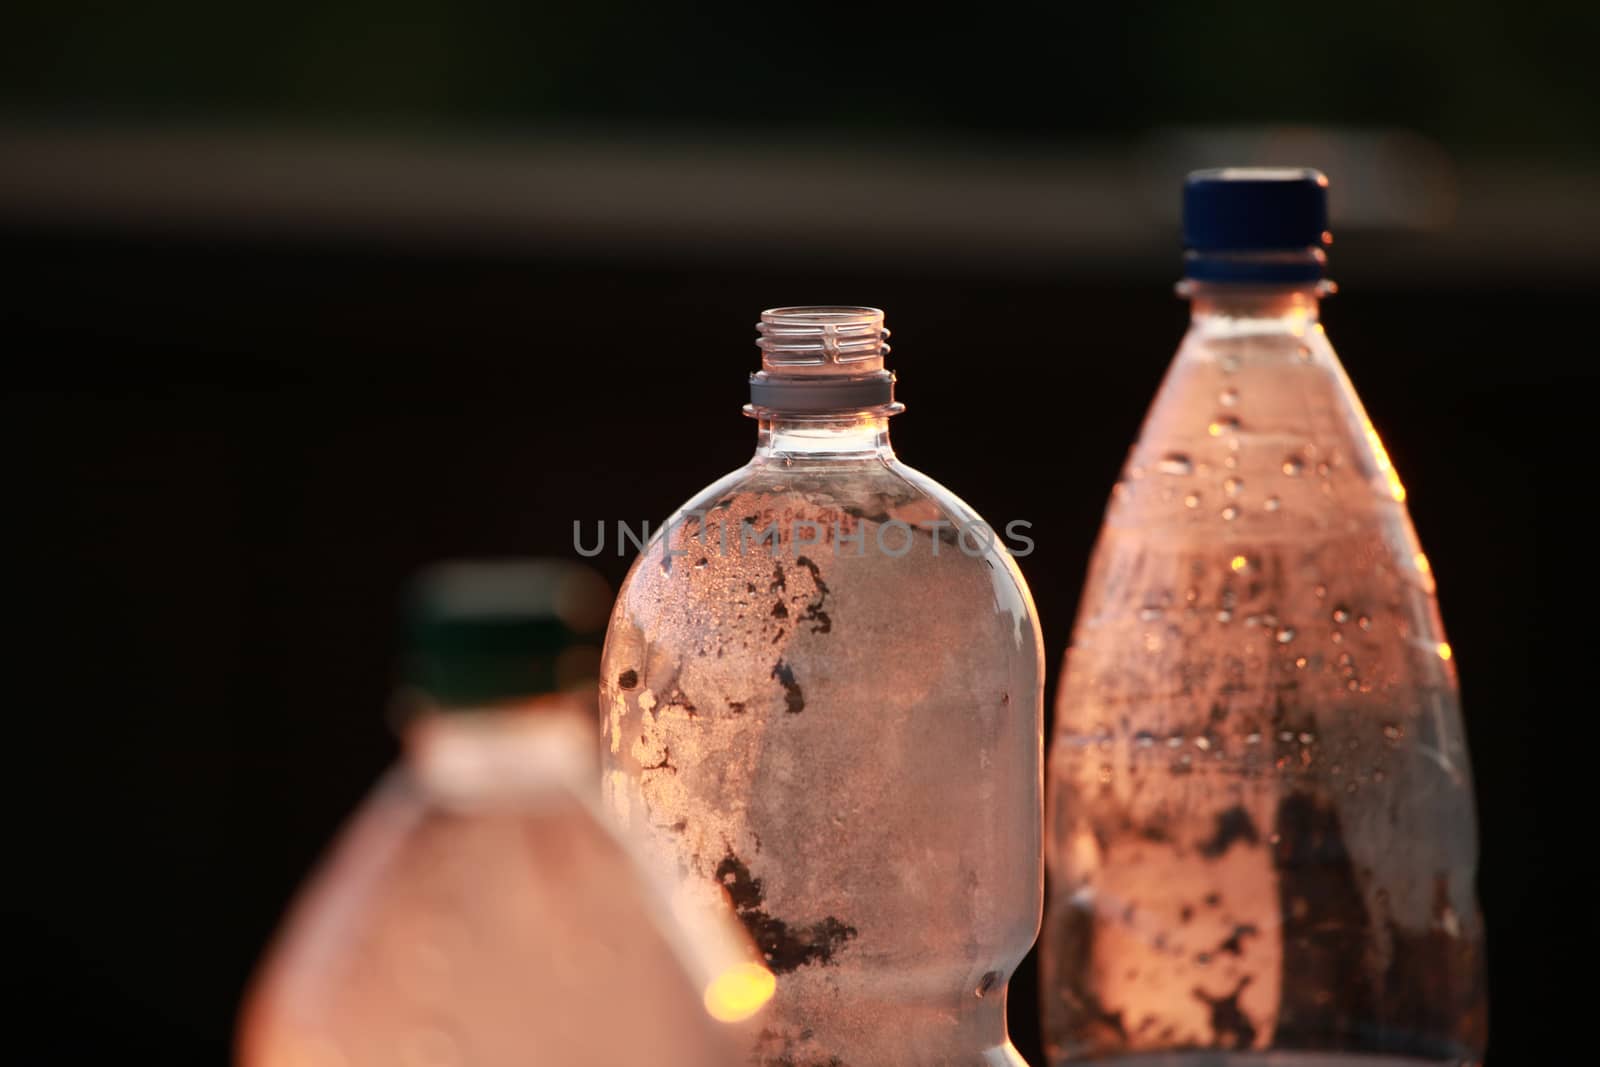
pixel 417 881
pixel 1259 436
pixel 811 536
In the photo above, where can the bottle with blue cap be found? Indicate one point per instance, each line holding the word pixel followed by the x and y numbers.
pixel 478 910
pixel 1260 825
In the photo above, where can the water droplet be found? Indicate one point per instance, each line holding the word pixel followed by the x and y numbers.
pixel 1231 461
pixel 1425 569
pixel 1105 773
pixel 1202 743
pixel 1144 738
pixel 1223 424
pixel 1190 595
pixel 1336 637
pixel 1175 463
pixel 1231 486
pixel 1293 466
pixel 1321 591
pixel 1322 469
pixel 1252 739
pixel 1286 736
pixel 1300 663
pixel 1224 616
pixel 1175 741
pixel 1149 613
pixel 1228 398
pixel 1229 513
pixel 1352 685
pixel 986 983
pixel 1392 731
pixel 1364 621
pixel 1192 500
pixel 1271 503
pixel 1307 738
pixel 1341 614
pixel 1286 635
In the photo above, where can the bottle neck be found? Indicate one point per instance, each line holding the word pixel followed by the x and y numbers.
pixel 540 746
pixel 1219 309
pixel 849 436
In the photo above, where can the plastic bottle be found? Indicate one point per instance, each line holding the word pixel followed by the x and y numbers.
pixel 1261 828
pixel 477 912
pixel 821 693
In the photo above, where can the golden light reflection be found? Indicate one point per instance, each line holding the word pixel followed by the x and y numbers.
pixel 1444 650
pixel 739 992
pixel 1238 563
pixel 1385 468
pixel 1424 572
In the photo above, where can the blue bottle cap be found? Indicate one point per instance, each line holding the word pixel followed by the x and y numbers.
pixel 1255 225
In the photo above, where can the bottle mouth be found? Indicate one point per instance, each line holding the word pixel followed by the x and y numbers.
pixel 793 337
pixel 821 360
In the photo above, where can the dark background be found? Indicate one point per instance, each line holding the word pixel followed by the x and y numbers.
pixel 242 410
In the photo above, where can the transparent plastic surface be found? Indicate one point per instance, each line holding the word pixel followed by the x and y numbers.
pixel 476 912
pixel 816 700
pixel 1261 832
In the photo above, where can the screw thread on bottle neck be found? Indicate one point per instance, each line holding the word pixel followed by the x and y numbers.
pixel 822 361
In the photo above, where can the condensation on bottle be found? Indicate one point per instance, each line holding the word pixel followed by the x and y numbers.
pixel 478 910
pixel 1261 831
pixel 821 694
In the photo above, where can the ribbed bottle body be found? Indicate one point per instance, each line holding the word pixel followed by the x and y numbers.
pixel 1261 831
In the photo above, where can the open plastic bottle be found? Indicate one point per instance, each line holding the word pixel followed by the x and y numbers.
pixel 477 911
pixel 1261 836
pixel 822 696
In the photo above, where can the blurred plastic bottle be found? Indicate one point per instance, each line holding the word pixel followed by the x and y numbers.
pixel 1261 825
pixel 477 912
pixel 822 693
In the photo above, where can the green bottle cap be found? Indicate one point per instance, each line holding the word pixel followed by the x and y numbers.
pixel 482 632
